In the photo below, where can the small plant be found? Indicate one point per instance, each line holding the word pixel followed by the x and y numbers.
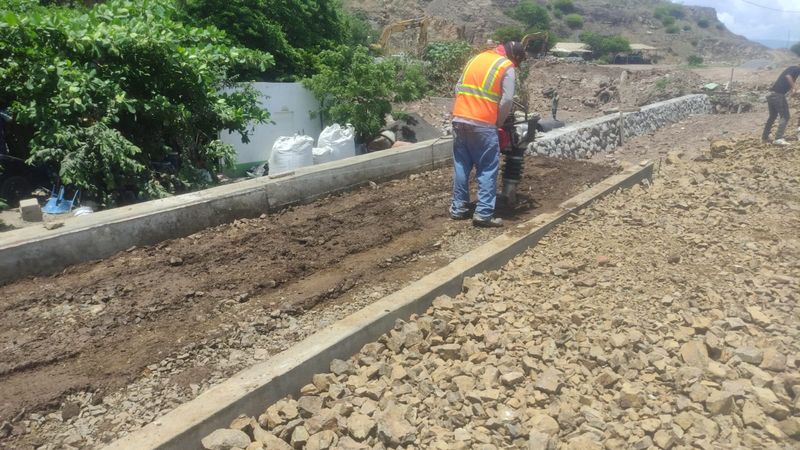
pixel 662 84
pixel 703 23
pixel 695 60
pixel 687 28
pixel 444 61
pixel 796 49
pixel 672 29
pixel 667 21
pixel 574 21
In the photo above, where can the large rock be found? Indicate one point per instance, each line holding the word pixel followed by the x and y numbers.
pixel 225 439
pixel 695 354
pixel 394 429
pixel 360 426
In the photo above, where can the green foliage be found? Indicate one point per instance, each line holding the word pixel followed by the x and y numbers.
pixel 107 91
pixel 675 11
pixel 687 28
pixel 293 31
pixel 532 15
pixel 558 14
pixel 355 88
pixel 672 29
pixel 662 84
pixel 508 33
pixel 796 49
pixel 694 60
pixel 574 21
pixel 446 60
pixel 359 30
pixel 565 6
pixel 703 23
pixel 604 45
pixel 667 21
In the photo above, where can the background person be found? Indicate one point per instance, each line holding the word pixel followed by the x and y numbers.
pixel 779 106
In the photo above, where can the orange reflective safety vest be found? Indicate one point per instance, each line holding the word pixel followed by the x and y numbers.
pixel 479 93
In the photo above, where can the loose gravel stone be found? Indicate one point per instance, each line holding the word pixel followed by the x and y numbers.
pixel 683 335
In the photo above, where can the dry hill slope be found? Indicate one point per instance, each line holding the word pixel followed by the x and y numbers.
pixel 699 31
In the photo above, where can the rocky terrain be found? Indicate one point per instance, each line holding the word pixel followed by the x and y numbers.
pixel 477 20
pixel 662 317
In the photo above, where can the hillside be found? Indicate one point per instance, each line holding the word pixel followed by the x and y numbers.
pixel 696 32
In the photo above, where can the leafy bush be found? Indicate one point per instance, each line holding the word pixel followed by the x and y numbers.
pixel 703 23
pixel 565 6
pixel 279 27
pixel 662 84
pixel 558 14
pixel 446 60
pixel 695 60
pixel 355 88
pixel 532 14
pixel 687 28
pixel 107 92
pixel 675 11
pixel 667 21
pixel 796 49
pixel 603 45
pixel 359 30
pixel 672 29
pixel 508 33
pixel 574 21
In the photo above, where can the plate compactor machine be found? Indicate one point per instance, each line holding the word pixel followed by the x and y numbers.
pixel 518 131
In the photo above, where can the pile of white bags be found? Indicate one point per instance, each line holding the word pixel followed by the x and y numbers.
pixel 291 152
pixel 335 142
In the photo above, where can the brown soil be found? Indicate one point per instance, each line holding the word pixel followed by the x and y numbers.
pixel 96 326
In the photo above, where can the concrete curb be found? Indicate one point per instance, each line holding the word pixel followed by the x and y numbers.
pixel 253 389
pixel 36 251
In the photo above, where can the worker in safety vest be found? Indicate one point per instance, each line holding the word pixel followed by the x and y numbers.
pixel 484 98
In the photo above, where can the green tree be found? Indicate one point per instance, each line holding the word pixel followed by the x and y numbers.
pixel 282 28
pixel 107 91
pixel 359 30
pixel 670 10
pixel 532 14
pixel 445 61
pixel 508 33
pixel 703 23
pixel 672 29
pixel 353 87
pixel 565 6
pixel 604 45
pixel 796 49
pixel 695 60
pixel 574 21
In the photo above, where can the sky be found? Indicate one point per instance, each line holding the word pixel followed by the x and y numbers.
pixel 756 23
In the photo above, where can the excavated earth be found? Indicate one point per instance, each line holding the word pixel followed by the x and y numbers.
pixel 663 317
pixel 88 353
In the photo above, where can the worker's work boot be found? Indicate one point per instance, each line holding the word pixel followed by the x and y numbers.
pixel 780 142
pixel 494 222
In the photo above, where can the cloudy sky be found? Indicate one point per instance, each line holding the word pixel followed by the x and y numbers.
pixel 743 18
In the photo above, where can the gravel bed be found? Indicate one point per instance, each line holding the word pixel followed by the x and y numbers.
pixel 662 317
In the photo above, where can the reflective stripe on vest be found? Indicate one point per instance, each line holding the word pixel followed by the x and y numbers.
pixel 480 91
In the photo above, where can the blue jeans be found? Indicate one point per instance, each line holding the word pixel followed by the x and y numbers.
pixel 475 147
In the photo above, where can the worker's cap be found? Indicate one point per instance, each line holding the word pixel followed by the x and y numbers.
pixel 515 52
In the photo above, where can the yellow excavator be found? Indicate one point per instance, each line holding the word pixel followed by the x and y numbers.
pixel 422 23
pixel 541 35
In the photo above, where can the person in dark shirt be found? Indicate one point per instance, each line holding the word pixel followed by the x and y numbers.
pixel 778 105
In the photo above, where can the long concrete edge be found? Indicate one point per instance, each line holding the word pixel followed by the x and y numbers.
pixel 253 389
pixel 36 251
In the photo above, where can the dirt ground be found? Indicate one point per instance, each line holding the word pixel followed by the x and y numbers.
pixel 98 325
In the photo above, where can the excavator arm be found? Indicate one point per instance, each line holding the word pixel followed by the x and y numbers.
pixel 541 35
pixel 421 23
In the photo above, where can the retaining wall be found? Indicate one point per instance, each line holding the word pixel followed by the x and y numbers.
pixel 38 251
pixel 587 138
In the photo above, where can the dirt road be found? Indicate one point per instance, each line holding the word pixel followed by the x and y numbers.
pixel 97 326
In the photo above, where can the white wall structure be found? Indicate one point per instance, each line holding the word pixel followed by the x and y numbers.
pixel 290 106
